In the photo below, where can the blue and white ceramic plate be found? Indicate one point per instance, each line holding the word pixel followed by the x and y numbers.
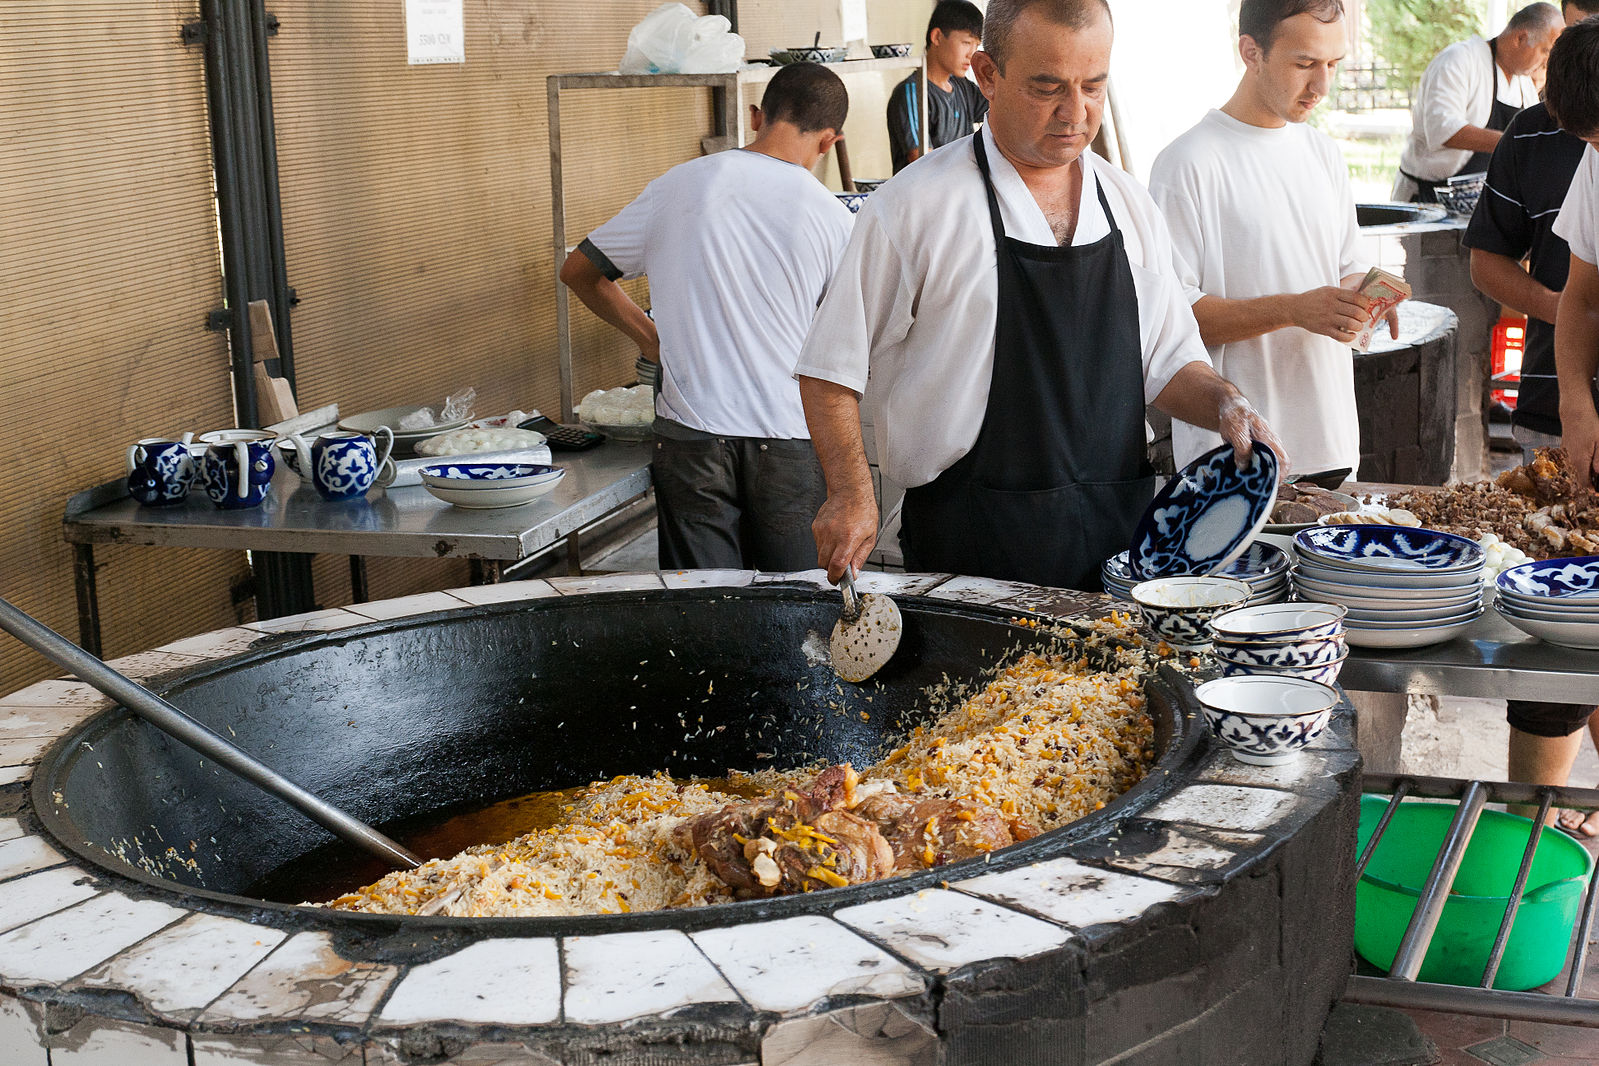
pixel 1385 549
pixel 1565 634
pixel 1260 564
pixel 1554 579
pixel 1203 518
pixel 488 475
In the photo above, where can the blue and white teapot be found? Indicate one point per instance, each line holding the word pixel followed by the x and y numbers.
pixel 341 466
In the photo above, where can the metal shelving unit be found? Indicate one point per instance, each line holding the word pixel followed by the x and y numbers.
pixel 733 97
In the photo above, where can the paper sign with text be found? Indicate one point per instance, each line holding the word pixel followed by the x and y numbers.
pixel 435 31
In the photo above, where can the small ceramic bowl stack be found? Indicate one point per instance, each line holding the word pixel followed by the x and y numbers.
pixel 1556 600
pixel 1266 721
pixel 1402 587
pixel 486 485
pixel 1263 567
pixel 1179 609
pixel 1297 640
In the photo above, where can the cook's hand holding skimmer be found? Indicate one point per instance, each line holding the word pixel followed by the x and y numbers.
pixel 866 634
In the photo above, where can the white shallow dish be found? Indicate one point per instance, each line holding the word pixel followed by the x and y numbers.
pixel 1394 579
pixel 1313 588
pixel 1544 613
pixel 1365 616
pixel 1389 549
pixel 1437 618
pixel 369 421
pixel 1565 634
pixel 493 492
pixel 1568 607
pixel 1406 637
pixel 1302 621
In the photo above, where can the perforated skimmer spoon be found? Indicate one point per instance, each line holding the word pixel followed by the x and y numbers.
pixel 866 634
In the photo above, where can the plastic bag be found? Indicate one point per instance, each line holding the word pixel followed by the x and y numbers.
pixel 673 40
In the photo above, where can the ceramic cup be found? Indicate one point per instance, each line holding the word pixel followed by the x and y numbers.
pixel 341 466
pixel 160 471
pixel 238 465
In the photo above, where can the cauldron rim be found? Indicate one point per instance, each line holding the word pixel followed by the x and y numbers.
pixel 1167 689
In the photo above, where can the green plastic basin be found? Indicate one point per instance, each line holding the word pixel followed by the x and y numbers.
pixel 1387 892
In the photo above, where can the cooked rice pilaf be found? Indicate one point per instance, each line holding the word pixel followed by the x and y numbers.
pixel 1049 739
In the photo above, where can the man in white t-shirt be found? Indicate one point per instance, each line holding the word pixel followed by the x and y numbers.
pixel 1263 223
pixel 1573 102
pixel 1012 300
pixel 738 247
pixel 1467 96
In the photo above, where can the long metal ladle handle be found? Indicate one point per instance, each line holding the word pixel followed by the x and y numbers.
pixel 852 599
pixel 173 722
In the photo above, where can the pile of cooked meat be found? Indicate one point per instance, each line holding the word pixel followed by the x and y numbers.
pixel 1300 503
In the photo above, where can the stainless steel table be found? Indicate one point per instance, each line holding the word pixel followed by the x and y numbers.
pixel 1491 660
pixel 405 522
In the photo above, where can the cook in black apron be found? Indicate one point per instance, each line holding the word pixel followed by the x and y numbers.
pixel 1499 116
pixel 1058 477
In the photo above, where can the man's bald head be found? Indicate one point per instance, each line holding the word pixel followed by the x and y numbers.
pixel 1537 18
pixel 999 21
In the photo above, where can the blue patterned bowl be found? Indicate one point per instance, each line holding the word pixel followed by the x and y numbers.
pixel 489 475
pixel 1203 518
pixel 1553 579
pixel 1295 654
pixel 1276 623
pixel 1266 719
pixel 1179 609
pixel 852 200
pixel 1326 674
pixel 1260 564
pixel 1384 549
pixel 891 51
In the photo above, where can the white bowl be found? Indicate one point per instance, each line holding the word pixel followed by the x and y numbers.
pixel 1407 637
pixel 1266 719
pixel 1564 634
pixel 1302 621
pixel 1177 608
pixel 489 485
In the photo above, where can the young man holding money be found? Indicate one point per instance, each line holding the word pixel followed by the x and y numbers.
pixel 1263 224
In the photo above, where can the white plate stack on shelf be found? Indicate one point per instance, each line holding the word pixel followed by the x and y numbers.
pixel 1263 567
pixel 1403 588
pixel 1556 600
pixel 1301 640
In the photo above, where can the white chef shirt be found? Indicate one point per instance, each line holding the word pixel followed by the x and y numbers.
pixel 738 247
pixel 1457 90
pixel 915 299
pixel 1255 212
pixel 1578 221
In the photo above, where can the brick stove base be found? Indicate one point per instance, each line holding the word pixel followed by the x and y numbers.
pixel 1210 926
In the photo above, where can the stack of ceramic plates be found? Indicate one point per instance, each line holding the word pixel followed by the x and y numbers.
pixel 1556 600
pixel 1404 588
pixel 485 485
pixel 1263 567
pixel 1303 640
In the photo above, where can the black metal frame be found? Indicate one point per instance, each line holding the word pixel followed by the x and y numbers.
pixel 1400 987
pixel 249 210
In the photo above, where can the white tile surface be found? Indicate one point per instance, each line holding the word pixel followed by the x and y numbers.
pixel 1225 770
pixel 877 1034
pixel 10 775
pixel 22 723
pixel 1225 807
pixel 102 1042
pixel 510 982
pixel 19 1034
pixel 405 606
pixel 505 591
pixel 817 578
pixel 1066 891
pixel 282 1049
pixel 24 752
pixel 149 663
pixel 942 930
pixel 310 622
pixel 217 644
pixel 898 584
pixel 62 945
pixel 789 965
pixel 1181 852
pixel 617 976
pixel 55 693
pixel 25 854
pixel 304 979
pixel 573 586
pixel 696 579
pixel 181 969
pixel 27 898
pixel 977 590
pixel 10 829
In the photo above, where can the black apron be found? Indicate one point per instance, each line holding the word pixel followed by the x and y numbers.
pixel 1058 476
pixel 1499 116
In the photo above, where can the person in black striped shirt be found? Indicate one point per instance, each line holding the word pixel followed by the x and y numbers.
pixel 954 103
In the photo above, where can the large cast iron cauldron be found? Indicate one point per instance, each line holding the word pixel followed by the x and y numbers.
pixel 455 710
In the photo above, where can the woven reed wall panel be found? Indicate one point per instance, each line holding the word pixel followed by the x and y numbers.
pixel 416 200
pixel 108 240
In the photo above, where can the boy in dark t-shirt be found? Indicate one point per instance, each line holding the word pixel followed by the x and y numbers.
pixel 954 103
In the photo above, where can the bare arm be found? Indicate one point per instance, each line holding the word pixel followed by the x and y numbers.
pixel 846 526
pixel 1198 395
pixel 1469 138
pixel 1576 360
pixel 1502 278
pixel 605 298
pixel 1331 311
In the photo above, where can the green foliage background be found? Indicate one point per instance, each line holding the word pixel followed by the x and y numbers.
pixel 1407 34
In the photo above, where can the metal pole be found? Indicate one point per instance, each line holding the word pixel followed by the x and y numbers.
pixel 261 28
pixel 173 722
pixel 1513 904
pixel 563 309
pixel 1435 893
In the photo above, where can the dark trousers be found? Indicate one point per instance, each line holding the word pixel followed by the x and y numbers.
pixel 736 503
